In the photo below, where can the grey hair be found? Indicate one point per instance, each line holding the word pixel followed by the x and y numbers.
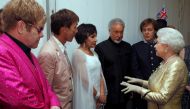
pixel 171 37
pixel 116 20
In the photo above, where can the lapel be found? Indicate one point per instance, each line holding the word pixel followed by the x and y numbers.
pixel 23 59
pixel 61 56
pixel 54 45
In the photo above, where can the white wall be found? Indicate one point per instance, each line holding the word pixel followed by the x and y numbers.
pixel 100 12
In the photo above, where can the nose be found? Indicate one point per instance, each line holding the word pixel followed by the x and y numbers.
pixel 146 32
pixel 120 35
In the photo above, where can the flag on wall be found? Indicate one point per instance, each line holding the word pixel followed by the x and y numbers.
pixel 162 14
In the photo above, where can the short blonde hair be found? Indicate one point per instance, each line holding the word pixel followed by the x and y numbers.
pixel 28 11
pixel 171 37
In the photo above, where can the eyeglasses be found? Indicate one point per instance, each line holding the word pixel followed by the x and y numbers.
pixel 39 30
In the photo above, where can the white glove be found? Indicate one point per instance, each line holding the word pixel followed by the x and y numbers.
pixel 134 80
pixel 55 107
pixel 130 88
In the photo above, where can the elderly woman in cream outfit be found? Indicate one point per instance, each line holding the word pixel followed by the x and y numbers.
pixel 166 85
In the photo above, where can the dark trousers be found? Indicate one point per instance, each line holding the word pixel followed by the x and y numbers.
pixel 138 102
pixel 127 105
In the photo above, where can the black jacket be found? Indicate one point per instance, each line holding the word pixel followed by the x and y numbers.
pixel 115 60
pixel 144 60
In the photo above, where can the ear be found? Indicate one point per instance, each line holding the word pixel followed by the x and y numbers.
pixel 21 27
pixel 63 30
pixel 109 30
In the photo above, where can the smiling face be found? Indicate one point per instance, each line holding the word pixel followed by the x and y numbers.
pixel 116 32
pixel 91 40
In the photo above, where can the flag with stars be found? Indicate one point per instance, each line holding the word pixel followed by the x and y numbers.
pixel 162 14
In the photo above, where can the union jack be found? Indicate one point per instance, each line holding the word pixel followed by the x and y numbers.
pixel 162 14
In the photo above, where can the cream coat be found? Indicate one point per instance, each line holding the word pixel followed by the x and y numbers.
pixel 58 71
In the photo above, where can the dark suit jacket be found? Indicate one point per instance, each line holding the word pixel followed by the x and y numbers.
pixel 115 61
pixel 144 60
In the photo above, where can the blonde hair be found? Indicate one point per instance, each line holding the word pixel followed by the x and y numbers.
pixel 28 11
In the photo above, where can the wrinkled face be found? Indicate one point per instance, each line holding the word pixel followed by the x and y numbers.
pixel 71 32
pixel 148 32
pixel 91 40
pixel 32 36
pixel 160 48
pixel 116 32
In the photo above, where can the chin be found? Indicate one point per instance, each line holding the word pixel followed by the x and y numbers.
pixel 70 40
pixel 157 54
pixel 35 45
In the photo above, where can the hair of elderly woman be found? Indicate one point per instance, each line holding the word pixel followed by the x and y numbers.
pixel 29 11
pixel 171 37
pixel 84 31
pixel 116 21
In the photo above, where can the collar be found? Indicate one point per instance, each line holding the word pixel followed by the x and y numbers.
pixel 113 41
pixel 60 45
pixel 20 44
pixel 152 41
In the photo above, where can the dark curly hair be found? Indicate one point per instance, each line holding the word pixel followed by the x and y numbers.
pixel 84 30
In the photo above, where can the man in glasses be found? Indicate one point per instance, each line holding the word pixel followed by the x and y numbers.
pixel 53 57
pixel 22 82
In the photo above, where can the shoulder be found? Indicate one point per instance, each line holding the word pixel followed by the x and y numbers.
pixel 103 43
pixel 176 62
pixel 48 48
pixel 78 56
pixel 124 43
pixel 8 51
pixel 78 53
pixel 138 44
pixel 47 52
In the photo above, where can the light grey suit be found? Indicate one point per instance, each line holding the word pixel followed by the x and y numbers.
pixel 58 71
